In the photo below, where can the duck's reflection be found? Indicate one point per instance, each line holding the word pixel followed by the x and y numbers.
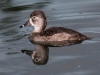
pixel 40 55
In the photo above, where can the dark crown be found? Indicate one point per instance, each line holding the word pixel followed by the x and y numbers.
pixel 38 13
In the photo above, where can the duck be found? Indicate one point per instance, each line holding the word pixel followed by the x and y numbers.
pixel 41 35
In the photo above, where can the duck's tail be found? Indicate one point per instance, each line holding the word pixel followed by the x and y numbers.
pixel 88 38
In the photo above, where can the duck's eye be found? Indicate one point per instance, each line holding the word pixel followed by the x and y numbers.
pixel 36 59
pixel 34 17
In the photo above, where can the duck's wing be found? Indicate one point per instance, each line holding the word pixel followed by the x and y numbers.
pixel 55 30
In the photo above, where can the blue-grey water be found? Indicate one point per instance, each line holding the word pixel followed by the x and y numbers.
pixel 80 59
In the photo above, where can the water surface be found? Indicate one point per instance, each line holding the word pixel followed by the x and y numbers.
pixel 80 59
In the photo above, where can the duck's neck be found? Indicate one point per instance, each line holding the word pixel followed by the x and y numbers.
pixel 39 26
pixel 37 29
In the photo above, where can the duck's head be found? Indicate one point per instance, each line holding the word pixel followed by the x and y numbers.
pixel 39 56
pixel 38 20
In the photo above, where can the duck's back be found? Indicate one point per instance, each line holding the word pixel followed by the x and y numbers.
pixel 64 34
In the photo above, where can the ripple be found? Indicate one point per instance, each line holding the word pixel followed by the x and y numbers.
pixel 25 7
pixel 8 22
pixel 4 70
pixel 95 40
pixel 10 32
pixel 19 37
pixel 74 16
pixel 11 53
pixel 79 72
pixel 90 29
pixel 60 58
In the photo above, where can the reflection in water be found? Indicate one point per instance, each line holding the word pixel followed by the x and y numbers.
pixel 59 43
pixel 40 56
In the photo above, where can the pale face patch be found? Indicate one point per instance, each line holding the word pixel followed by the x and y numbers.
pixel 31 22
pixel 32 56
pixel 37 22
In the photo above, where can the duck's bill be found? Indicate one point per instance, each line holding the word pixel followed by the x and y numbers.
pixel 26 24
pixel 28 52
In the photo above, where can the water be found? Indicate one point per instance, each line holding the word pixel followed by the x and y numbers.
pixel 80 59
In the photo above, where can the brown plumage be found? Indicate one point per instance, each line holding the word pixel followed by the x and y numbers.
pixel 52 34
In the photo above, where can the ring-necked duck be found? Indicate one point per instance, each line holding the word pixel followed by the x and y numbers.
pixel 41 35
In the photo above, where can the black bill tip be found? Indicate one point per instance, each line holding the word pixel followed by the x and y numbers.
pixel 21 26
pixel 28 52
